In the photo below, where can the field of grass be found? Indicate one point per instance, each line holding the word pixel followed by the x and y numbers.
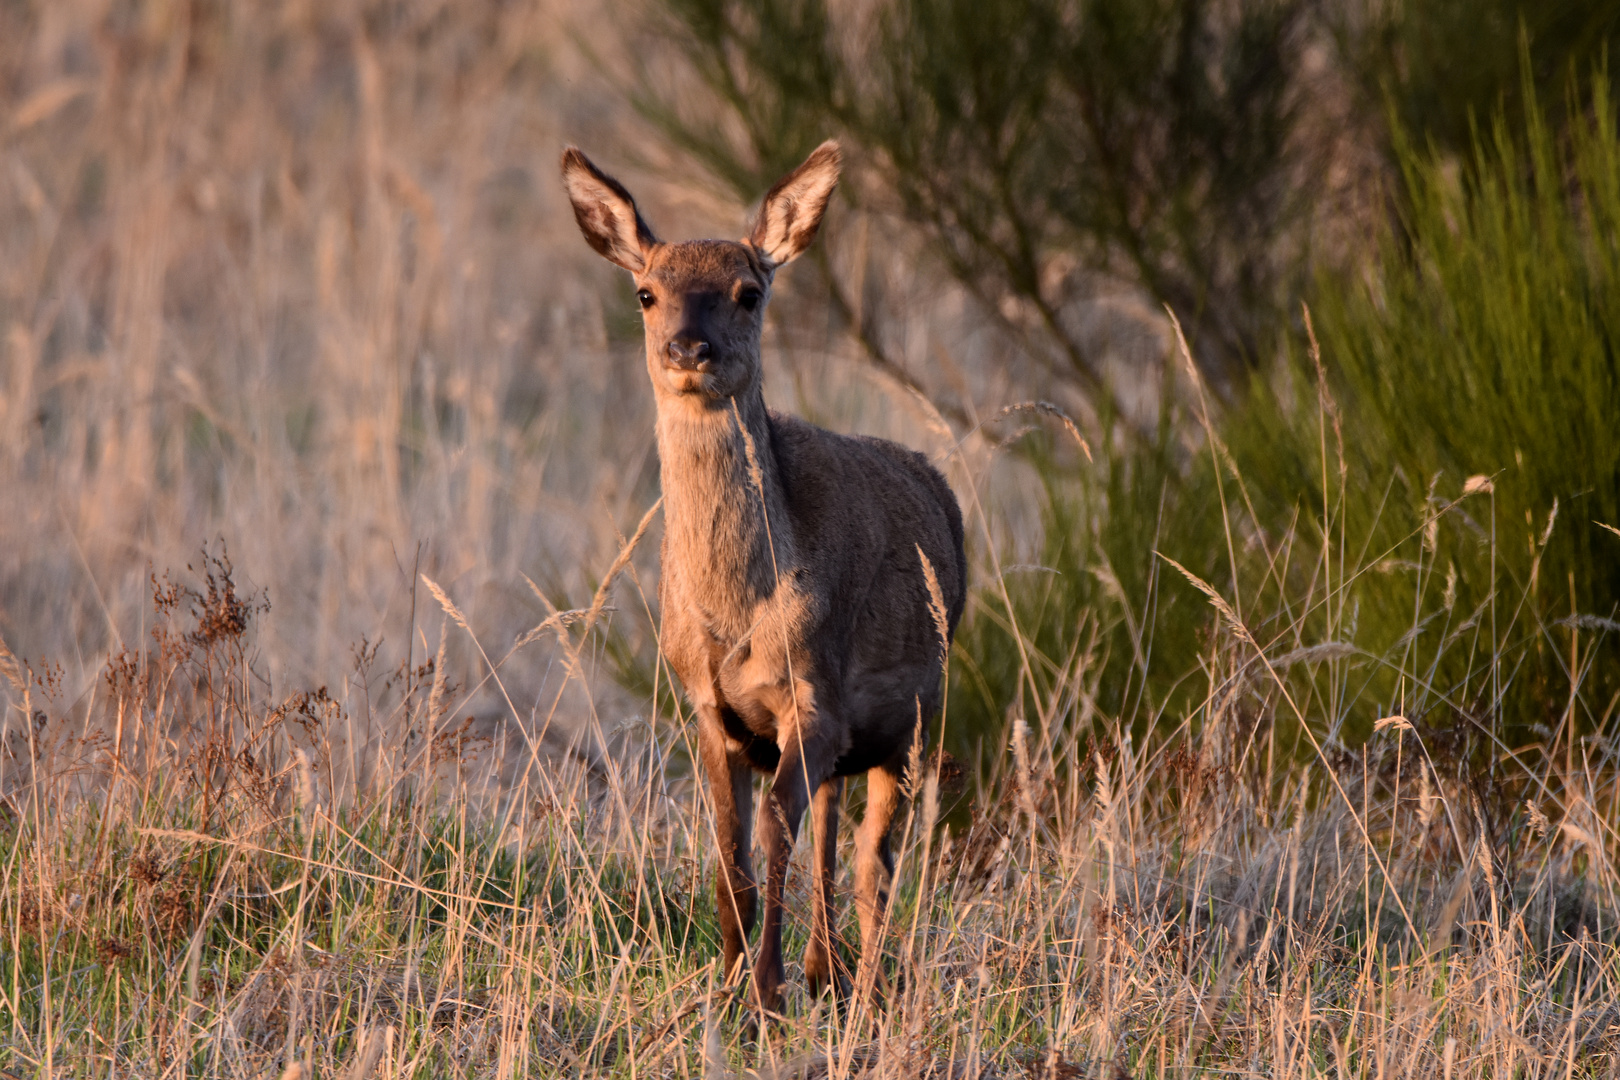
pixel 230 901
pixel 334 740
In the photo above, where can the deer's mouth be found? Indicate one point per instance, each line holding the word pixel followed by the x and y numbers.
pixel 712 378
pixel 689 380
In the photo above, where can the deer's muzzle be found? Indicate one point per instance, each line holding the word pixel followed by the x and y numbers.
pixel 688 354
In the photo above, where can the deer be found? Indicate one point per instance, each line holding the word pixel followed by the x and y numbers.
pixel 802 573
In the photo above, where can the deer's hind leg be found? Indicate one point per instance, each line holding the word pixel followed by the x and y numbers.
pixel 819 958
pixel 730 785
pixel 874 865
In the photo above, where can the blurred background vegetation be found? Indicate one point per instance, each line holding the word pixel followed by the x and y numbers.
pixel 298 277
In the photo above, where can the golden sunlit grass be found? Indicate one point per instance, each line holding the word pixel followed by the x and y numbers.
pixel 210 891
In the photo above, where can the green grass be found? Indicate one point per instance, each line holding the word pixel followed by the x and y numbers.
pixel 1482 355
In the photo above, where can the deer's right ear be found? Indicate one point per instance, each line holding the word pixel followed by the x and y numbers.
pixel 606 213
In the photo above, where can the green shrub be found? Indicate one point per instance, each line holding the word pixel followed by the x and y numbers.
pixel 1439 66
pixel 1090 625
pixel 1485 343
pixel 1433 526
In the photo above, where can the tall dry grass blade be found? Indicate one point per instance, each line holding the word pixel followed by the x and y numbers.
pixel 620 561
pixel 373 1042
pixel 494 669
pixel 576 649
pixel 557 621
pixel 12 670
pixel 47 101
pixel 714 1054
pixel 1324 395
pixel 446 603
pixel 1215 598
pixel 932 416
pixel 1217 451
pixel 936 603
pixel 435 703
pixel 1052 410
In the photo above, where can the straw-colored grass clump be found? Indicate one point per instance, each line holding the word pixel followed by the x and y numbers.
pixel 211 889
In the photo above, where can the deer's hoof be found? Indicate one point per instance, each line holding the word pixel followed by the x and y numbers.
pixel 824 974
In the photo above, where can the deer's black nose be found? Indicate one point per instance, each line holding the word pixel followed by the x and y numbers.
pixel 688 353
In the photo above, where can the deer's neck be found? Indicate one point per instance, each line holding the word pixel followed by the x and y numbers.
pixel 727 536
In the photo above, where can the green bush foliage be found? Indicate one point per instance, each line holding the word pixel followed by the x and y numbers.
pixel 1431 501
pixel 1439 67
pixel 1485 344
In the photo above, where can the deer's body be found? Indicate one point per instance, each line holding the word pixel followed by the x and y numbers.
pixel 795 608
pixel 737 619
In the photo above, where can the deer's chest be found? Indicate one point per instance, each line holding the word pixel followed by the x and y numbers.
pixel 744 663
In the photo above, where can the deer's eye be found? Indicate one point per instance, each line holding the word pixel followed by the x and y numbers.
pixel 646 298
pixel 749 298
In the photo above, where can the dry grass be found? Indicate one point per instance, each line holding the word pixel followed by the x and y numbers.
pixel 210 892
pixel 298 276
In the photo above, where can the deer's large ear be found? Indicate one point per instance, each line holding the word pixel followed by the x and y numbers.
pixel 792 211
pixel 606 213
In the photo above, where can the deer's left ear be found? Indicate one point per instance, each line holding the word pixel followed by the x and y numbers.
pixel 792 210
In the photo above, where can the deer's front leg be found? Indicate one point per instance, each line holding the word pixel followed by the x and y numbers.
pixel 735 893
pixel 819 959
pixel 802 769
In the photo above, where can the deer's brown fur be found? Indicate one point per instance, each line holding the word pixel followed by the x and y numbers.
pixel 795 608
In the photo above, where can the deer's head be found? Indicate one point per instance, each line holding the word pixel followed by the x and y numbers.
pixel 702 301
